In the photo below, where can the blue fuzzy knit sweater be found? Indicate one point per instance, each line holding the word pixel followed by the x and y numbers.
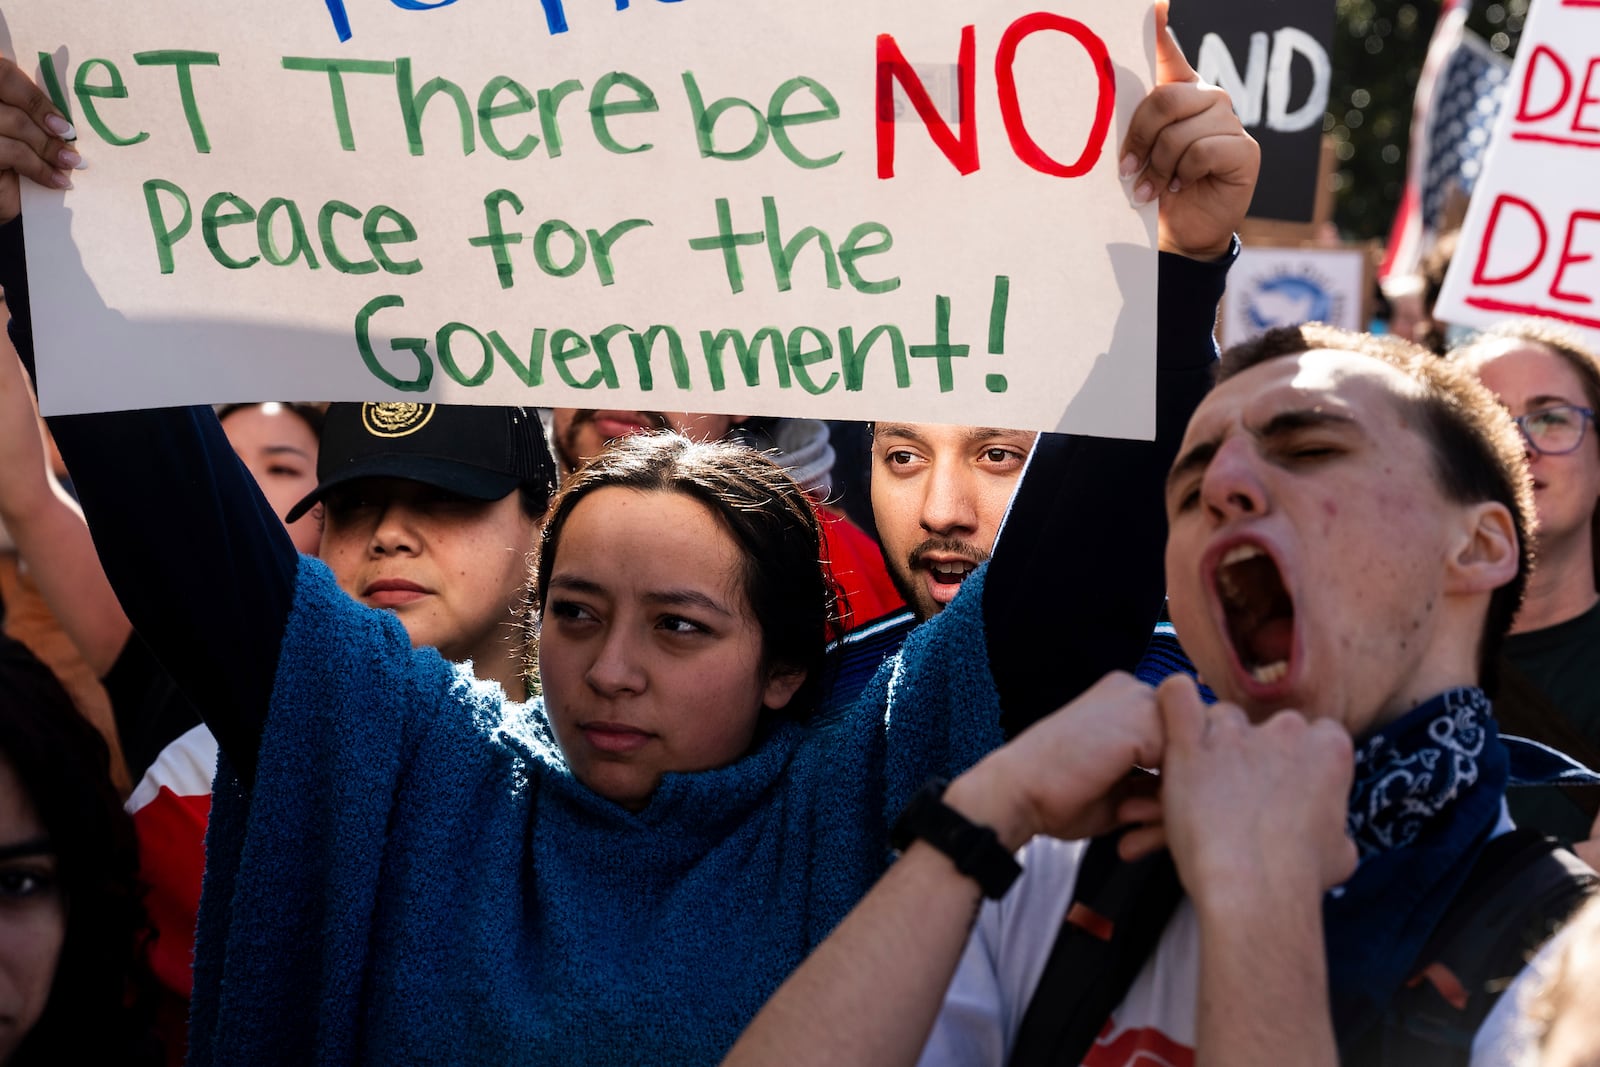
pixel 417 878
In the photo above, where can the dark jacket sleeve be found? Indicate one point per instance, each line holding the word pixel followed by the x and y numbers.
pixel 202 565
pixel 1076 584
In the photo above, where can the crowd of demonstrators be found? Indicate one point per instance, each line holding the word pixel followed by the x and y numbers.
pixel 801 446
pixel 499 771
pixel 74 984
pixel 1547 687
pixel 1315 449
pixel 385 824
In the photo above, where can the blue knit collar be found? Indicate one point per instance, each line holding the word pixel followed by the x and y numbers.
pixel 699 804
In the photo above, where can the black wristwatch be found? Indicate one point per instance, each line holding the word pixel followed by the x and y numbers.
pixel 975 850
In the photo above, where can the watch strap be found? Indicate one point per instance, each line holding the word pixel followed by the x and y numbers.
pixel 975 850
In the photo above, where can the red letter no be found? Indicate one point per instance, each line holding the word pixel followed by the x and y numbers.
pixel 962 151
pixel 1022 143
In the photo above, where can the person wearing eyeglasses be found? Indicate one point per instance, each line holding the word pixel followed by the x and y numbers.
pixel 1549 689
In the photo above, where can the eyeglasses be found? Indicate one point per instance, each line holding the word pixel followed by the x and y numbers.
pixel 1554 431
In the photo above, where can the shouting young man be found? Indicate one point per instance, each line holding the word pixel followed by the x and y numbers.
pixel 1348 530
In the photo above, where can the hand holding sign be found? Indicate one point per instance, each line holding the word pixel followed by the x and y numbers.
pixel 31 140
pixel 1186 143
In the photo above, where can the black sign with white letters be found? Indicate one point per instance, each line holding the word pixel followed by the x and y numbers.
pixel 1272 56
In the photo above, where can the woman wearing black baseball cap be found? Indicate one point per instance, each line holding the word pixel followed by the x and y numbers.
pixel 431 511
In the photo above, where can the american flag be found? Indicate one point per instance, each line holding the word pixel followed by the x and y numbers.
pixel 1458 96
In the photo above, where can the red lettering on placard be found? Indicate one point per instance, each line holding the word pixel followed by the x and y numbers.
pixel 1540 52
pixel 1586 99
pixel 1022 143
pixel 1480 274
pixel 1569 257
pixel 961 150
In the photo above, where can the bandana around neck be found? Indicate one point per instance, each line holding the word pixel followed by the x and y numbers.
pixel 1427 794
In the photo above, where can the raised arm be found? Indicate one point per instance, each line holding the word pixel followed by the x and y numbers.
pixel 198 560
pixel 49 531
pixel 1076 586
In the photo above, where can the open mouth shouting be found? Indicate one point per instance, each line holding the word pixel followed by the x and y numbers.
pixel 1259 614
pixel 944 565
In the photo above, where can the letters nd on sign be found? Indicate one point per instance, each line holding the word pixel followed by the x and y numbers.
pixel 1272 58
pixel 696 204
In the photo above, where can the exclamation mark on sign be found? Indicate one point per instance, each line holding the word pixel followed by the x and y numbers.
pixel 997 329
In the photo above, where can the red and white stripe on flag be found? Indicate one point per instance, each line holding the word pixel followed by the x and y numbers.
pixel 1409 237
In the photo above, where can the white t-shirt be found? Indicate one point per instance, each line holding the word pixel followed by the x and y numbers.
pixel 1154 1026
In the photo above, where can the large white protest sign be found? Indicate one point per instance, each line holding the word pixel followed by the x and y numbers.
pixel 705 205
pixel 1530 244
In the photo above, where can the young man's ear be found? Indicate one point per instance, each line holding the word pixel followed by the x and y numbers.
pixel 1488 553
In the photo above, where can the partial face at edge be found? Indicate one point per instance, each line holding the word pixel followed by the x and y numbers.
pixel 939 494
pixel 33 914
pixel 1308 546
pixel 650 655
pixel 280 450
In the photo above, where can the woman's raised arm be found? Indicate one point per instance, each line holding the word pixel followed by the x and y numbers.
pixel 1077 581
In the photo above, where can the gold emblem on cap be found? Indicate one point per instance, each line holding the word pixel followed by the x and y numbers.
pixel 390 419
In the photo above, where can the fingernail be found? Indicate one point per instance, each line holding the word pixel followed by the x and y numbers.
pixel 61 179
pixel 68 158
pixel 60 127
pixel 1128 167
pixel 1175 186
pixel 1142 195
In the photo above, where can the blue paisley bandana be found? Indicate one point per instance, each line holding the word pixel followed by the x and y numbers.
pixel 1409 773
pixel 1427 795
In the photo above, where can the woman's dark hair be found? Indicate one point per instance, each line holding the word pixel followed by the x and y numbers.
pixel 102 1004
pixel 310 414
pixel 775 525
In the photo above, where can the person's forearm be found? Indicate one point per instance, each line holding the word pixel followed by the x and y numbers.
pixel 1076 583
pixel 1263 997
pixel 54 544
pixel 48 532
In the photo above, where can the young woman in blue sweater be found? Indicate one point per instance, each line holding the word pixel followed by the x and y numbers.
pixel 407 867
